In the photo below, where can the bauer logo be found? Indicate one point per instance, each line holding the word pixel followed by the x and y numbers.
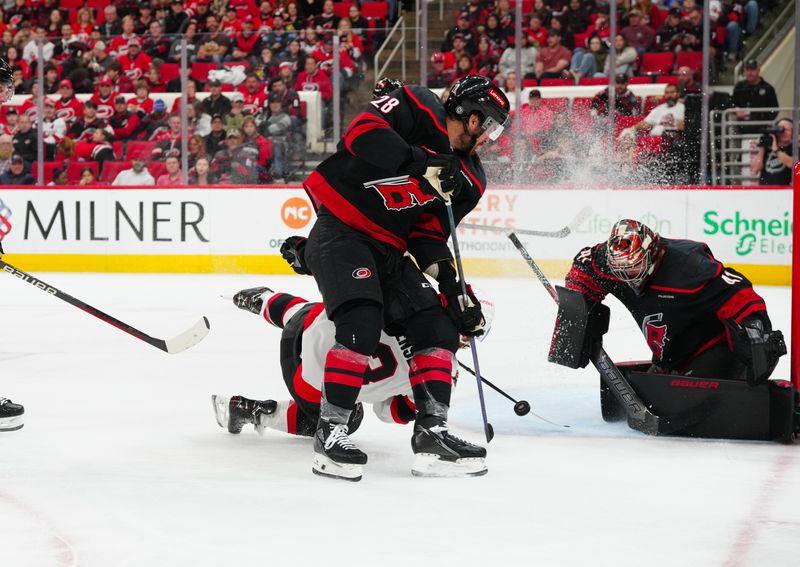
pixel 361 273
pixel 752 234
pixel 296 212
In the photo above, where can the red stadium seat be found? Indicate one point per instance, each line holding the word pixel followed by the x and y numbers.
pixel 170 71
pixel 117 147
pixel 623 122
pixel 377 10
pixel 657 63
pixel 580 39
pixel 592 81
pixel 581 105
pixel 667 79
pixel 71 4
pixel 143 149
pixel 97 4
pixel 651 102
pixel 646 147
pixel 200 71
pixel 558 104
pixel 342 9
pixel 557 83
pixel 157 169
pixel 526 83
pixel 49 170
pixel 111 169
pixel 74 170
pixel 527 7
pixel 691 59
pixel 644 80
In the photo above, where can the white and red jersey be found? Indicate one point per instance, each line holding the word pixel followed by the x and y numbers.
pixel 68 109
pixel 54 131
pixel 145 104
pixel 29 108
pixel 105 107
pixel 325 60
pixel 135 68
pixel 119 45
pixel 385 380
pixel 254 103
pixel 8 129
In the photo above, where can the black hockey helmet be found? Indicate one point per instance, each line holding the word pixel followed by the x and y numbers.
pixel 6 81
pixel 474 94
pixel 385 86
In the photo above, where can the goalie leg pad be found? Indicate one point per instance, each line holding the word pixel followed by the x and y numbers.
pixel 580 326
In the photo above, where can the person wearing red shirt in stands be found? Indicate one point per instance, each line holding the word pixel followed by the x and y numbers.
pixel 191 96
pixel 324 56
pixel 312 79
pixel 247 38
pixel 536 118
pixel 135 63
pixel 142 99
pixel 97 148
pixel 230 24
pixel 28 106
pixel 104 99
pixel 127 125
pixel 68 107
pixel 537 32
pixel 255 99
pixel 119 80
pixel 119 45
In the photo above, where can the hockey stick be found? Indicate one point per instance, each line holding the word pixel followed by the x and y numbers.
pixel 639 417
pixel 561 233
pixel 179 343
pixel 432 175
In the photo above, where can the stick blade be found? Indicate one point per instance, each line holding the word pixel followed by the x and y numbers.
pixel 189 337
pixel 489 430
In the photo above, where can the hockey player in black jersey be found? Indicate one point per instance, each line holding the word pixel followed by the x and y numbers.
pixel 699 318
pixel 11 414
pixel 373 204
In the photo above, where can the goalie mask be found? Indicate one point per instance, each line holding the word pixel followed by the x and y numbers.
pixel 632 252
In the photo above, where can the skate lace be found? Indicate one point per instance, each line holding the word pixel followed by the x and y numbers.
pixel 339 437
pixel 444 431
pixel 4 401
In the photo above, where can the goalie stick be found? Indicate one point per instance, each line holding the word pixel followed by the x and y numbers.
pixel 639 417
pixel 179 343
pixel 582 215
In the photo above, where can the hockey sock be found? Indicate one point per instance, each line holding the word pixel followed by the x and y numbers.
pixel 431 375
pixel 280 307
pixel 344 375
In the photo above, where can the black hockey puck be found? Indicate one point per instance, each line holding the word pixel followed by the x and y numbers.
pixel 522 408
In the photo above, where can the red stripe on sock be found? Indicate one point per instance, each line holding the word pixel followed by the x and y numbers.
pixel 291 418
pixel 436 364
pixel 344 366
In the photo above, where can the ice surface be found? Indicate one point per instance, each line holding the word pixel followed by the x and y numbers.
pixel 121 463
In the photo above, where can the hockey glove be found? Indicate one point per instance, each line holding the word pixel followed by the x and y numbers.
pixel 445 167
pixel 464 311
pixel 293 251
pixel 756 348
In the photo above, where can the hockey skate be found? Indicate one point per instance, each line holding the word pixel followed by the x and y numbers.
pixel 251 299
pixel 236 412
pixel 335 455
pixel 11 415
pixel 440 454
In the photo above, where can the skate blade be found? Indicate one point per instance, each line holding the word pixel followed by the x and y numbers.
pixel 221 405
pixel 429 465
pixel 11 423
pixel 323 466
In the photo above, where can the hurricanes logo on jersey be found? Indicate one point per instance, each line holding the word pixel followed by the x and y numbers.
pixel 399 193
pixel 656 335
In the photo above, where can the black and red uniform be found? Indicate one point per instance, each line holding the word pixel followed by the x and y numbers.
pixel 681 308
pixel 370 212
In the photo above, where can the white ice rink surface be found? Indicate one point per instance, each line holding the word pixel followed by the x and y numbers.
pixel 121 463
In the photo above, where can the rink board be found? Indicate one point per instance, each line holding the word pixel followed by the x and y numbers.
pixel 239 230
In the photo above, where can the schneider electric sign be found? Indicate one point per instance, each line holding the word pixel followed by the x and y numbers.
pixel 752 235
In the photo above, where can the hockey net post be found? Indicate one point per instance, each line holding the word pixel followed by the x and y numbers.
pixel 795 348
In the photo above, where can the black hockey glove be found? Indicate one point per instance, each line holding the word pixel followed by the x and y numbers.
pixel 293 251
pixel 464 311
pixel 757 348
pixel 450 178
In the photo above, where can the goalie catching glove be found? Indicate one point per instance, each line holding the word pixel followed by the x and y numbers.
pixel 293 251
pixel 444 168
pixel 756 346
pixel 464 310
